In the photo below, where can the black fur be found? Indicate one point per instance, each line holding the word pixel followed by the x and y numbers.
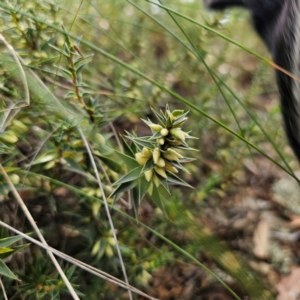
pixel 276 21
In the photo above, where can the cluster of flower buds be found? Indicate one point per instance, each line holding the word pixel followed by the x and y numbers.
pixel 157 158
pixel 162 160
pixel 161 156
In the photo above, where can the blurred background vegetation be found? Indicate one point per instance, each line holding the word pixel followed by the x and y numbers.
pixel 76 74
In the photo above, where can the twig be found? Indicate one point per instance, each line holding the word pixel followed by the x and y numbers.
pixel 3 289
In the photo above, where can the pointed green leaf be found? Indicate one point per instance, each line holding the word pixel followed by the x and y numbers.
pixel 65 72
pixel 81 67
pixel 126 148
pixel 72 164
pixel 82 60
pixel 143 143
pixel 143 186
pixel 112 164
pixel 9 240
pixel 14 250
pixel 123 187
pixel 180 119
pixel 149 165
pixel 5 271
pixel 130 162
pixel 45 157
pixel 178 166
pixel 177 113
pixel 155 136
pixel 168 122
pixel 135 200
pixel 164 183
pixel 59 50
pixel 164 193
pixel 5 250
pixel 70 272
pixel 174 180
pixel 185 160
pixel 185 147
pixel 148 122
pixel 159 117
pixel 158 199
pixel 70 94
pixel 132 175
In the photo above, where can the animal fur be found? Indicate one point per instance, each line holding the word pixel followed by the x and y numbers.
pixel 278 24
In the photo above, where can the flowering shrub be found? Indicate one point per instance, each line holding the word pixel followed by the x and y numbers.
pixel 154 160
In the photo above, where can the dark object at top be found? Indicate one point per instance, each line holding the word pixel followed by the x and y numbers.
pixel 278 24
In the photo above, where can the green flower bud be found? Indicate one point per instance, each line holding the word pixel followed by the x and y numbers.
pixel 171 154
pixel 164 132
pixel 170 115
pixel 156 127
pixel 109 251
pixel 161 141
pixel 160 171
pixel 178 133
pixel 170 168
pixel 161 162
pixel 95 208
pixel 99 138
pixel 140 158
pixel 8 137
pixel 111 241
pixel 156 155
pixel 156 181
pixel 15 179
pixel 147 152
pixel 174 142
pixel 21 127
pixel 96 247
pixel 176 113
pixel 148 175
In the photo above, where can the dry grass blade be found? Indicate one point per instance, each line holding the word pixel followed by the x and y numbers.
pixel 3 290
pixel 106 208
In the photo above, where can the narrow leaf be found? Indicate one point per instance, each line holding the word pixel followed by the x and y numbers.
pixel 59 50
pixel 5 271
pixel 149 165
pixel 123 187
pixel 160 118
pixel 5 250
pixel 174 180
pixel 164 183
pixel 112 164
pixel 9 240
pixel 180 119
pixel 132 175
pixel 156 136
pixel 143 143
pixel 14 250
pixel 130 162
pixel 135 200
pixel 148 122
pixel 158 199
pixel 143 186
pixel 126 148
